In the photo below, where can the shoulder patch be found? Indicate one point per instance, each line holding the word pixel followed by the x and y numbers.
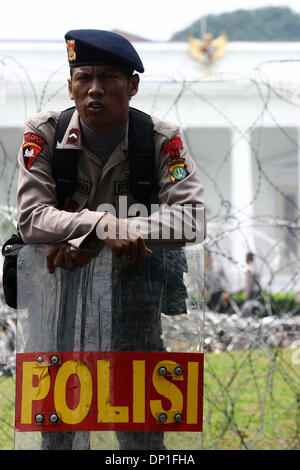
pixel 178 170
pixel 36 139
pixel 172 148
pixel 32 146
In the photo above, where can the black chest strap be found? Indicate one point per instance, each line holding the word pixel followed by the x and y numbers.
pixel 64 161
pixel 141 151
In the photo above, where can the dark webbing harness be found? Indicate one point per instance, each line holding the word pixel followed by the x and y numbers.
pixel 141 153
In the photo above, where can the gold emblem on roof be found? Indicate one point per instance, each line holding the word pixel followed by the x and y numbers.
pixel 207 50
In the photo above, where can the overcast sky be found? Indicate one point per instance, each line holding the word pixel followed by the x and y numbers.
pixel 152 19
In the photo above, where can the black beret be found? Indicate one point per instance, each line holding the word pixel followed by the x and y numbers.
pixel 94 47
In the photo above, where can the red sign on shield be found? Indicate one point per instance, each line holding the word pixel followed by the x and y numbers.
pixel 109 391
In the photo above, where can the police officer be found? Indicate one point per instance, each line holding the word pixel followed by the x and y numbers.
pixel 102 81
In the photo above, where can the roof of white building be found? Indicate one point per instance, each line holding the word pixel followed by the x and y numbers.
pixel 162 60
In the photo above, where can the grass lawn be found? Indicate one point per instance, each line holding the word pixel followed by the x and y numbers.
pixel 251 401
pixel 7 413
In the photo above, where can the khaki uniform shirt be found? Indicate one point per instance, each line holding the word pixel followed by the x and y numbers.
pixel 101 183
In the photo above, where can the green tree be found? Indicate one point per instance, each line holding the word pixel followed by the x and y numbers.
pixel 261 24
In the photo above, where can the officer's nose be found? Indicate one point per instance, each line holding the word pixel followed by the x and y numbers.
pixel 96 88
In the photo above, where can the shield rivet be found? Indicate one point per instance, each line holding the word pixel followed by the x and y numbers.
pixel 54 359
pixel 162 370
pixel 53 418
pixel 39 418
pixel 162 417
pixel 178 370
pixel 178 418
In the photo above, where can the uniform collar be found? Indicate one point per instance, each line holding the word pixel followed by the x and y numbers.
pixel 72 139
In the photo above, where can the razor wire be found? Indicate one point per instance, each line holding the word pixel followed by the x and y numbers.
pixel 252 400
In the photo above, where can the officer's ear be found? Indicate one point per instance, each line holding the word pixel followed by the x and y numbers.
pixel 133 85
pixel 70 88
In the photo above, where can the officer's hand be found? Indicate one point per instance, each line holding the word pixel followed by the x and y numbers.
pixel 63 255
pixel 123 241
pixel 129 250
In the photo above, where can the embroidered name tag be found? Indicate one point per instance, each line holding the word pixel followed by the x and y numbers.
pixel 122 187
pixel 84 187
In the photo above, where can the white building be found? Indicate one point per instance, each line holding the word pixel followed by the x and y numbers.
pixel 241 121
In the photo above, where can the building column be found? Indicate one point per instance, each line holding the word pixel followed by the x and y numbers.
pixel 241 200
pixel 298 214
pixel 298 170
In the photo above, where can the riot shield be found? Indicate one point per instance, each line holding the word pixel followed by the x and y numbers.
pixel 110 355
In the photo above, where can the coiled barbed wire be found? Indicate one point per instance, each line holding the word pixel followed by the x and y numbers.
pixel 254 336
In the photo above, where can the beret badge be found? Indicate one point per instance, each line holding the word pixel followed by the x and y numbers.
pixel 71 50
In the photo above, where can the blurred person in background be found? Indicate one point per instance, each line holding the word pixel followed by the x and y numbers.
pixel 216 295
